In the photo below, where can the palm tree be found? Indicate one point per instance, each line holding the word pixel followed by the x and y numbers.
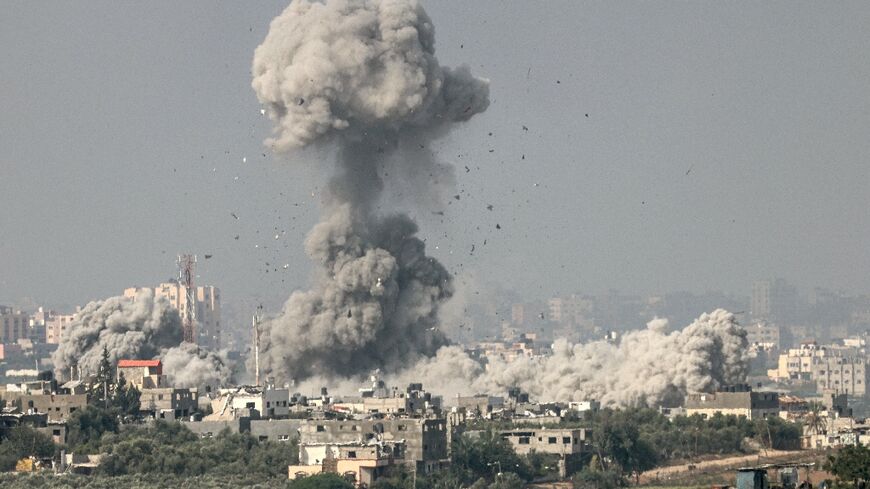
pixel 815 421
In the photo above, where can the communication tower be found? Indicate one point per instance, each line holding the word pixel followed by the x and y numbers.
pixel 186 272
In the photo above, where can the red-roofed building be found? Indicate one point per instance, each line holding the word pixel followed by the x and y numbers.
pixel 144 374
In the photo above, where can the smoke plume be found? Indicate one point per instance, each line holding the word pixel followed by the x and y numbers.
pixel 648 366
pixel 186 365
pixel 139 327
pixel 361 76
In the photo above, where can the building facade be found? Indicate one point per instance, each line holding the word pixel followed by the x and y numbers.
pixel 843 375
pixel 736 401
pixel 425 439
pixel 14 325
pixel 55 326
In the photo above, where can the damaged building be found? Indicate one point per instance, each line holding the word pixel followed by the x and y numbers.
pixel 425 440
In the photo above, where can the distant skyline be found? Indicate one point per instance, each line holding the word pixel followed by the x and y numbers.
pixel 645 147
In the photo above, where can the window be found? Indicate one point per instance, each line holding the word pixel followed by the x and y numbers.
pixel 283 437
pixel 159 397
pixel 320 428
pixel 524 440
pixel 351 454
pixel 551 440
pixel 263 438
pixel 566 440
pixel 402 427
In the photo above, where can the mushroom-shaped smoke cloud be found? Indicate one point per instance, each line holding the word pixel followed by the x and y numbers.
pixel 361 74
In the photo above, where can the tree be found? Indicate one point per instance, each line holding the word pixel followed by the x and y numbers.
pixel 592 478
pixel 815 421
pixel 485 456
pixel 508 480
pixel 396 477
pixel 23 441
pixel 87 426
pixel 321 481
pixel 618 437
pixel 777 433
pixel 103 382
pixel 851 463
pixel 125 398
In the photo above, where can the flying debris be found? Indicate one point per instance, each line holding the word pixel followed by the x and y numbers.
pixel 489 207
pixel 358 100
pixel 498 226
pixel 234 215
pixel 208 256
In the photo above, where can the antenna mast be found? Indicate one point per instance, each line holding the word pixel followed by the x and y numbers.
pixel 186 272
pixel 257 318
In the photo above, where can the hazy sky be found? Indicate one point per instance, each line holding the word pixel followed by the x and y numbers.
pixel 724 142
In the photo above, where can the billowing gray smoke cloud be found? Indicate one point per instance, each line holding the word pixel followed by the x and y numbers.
pixel 140 327
pixel 186 365
pixel 361 74
pixel 647 366
pixel 353 66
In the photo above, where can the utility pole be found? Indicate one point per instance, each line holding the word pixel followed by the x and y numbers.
pixel 256 323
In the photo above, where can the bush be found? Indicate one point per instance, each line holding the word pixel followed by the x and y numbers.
pixel 321 481
pixel 21 442
pixel 170 448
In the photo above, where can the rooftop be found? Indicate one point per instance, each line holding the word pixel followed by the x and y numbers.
pixel 138 363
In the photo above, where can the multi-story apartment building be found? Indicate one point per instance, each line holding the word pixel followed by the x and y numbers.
pixel 764 335
pixel 13 325
pixel 774 300
pixel 797 363
pixel 843 375
pixel 207 308
pixel 56 325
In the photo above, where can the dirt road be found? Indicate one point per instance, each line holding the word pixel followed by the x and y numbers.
pixel 676 471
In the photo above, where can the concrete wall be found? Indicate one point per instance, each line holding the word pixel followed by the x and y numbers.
pixel 213 428
pixel 553 441
pixel 181 401
pixel 276 429
pixel 58 407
